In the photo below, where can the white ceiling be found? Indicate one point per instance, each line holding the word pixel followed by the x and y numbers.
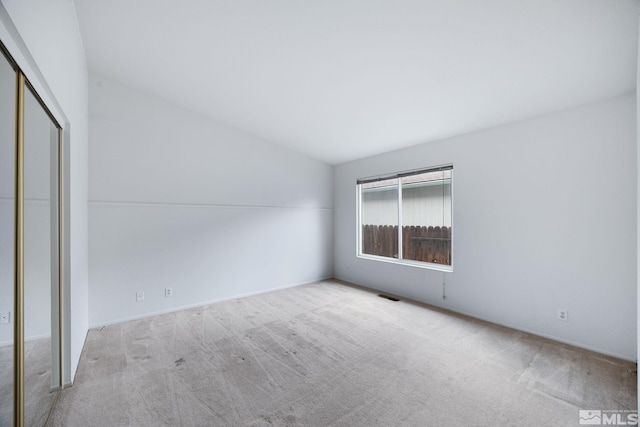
pixel 344 79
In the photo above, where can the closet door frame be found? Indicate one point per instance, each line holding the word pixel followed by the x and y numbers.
pixel 59 220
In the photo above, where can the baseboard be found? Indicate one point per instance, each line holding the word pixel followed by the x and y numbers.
pixel 201 304
pixel 506 325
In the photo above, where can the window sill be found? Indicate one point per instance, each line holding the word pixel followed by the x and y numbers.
pixel 425 265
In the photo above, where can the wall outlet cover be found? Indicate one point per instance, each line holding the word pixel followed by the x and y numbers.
pixel 563 315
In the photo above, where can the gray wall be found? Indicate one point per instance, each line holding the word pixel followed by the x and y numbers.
pixel 178 200
pixel 516 260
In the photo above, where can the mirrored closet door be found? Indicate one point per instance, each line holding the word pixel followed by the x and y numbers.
pixel 30 334
pixel 41 353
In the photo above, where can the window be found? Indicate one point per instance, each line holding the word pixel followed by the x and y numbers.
pixel 407 217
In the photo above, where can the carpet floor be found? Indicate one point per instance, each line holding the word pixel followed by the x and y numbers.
pixel 330 354
pixel 38 397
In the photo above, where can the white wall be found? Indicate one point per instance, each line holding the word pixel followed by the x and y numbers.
pixel 178 200
pixel 516 260
pixel 49 50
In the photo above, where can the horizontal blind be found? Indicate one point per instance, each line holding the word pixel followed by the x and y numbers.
pixel 403 174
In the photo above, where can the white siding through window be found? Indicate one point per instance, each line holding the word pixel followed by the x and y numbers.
pixel 421 206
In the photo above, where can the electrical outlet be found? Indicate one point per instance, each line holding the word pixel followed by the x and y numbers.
pixel 168 292
pixel 5 317
pixel 139 296
pixel 563 314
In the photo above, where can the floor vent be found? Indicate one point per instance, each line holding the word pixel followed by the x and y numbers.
pixel 388 297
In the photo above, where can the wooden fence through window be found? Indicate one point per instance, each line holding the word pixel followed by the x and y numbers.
pixel 426 244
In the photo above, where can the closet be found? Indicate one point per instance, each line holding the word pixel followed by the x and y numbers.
pixel 30 248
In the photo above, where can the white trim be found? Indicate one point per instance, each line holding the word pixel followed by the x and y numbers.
pixel 400 260
pixel 358 219
pixel 432 305
pixel 207 205
pixel 452 221
pixel 419 264
pixel 31 338
pixel 201 304
pixel 400 241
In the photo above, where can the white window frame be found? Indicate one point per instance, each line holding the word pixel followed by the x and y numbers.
pixel 400 260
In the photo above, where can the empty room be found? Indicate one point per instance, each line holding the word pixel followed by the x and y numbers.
pixel 319 213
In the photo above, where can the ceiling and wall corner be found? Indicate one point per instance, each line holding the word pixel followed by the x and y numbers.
pixel 342 80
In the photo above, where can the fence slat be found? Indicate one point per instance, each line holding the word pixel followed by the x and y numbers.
pixel 419 243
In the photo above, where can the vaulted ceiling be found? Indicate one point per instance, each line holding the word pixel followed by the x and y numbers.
pixel 344 79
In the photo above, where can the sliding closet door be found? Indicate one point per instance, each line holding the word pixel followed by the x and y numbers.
pixel 41 373
pixel 7 225
pixel 30 275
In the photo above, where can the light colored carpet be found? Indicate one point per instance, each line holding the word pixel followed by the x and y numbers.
pixel 328 354
pixel 37 375
pixel 6 385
